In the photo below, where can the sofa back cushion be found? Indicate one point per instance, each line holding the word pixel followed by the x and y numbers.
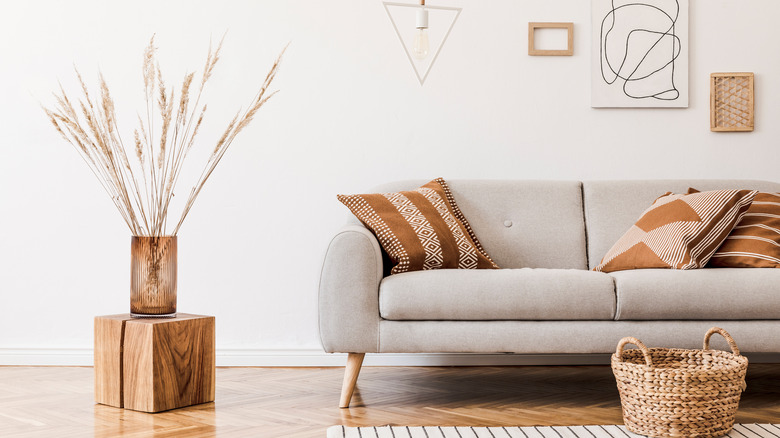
pixel 612 207
pixel 521 224
pixel 679 231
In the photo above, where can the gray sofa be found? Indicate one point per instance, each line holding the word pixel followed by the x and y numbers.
pixel 546 236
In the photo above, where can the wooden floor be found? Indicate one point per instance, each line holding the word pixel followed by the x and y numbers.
pixel 302 402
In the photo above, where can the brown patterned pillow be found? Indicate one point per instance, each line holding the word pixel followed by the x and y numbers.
pixel 678 231
pixel 420 229
pixel 755 241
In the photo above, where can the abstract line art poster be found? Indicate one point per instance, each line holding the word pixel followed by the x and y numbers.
pixel 639 54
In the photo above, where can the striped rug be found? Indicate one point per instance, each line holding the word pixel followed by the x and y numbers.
pixel 739 431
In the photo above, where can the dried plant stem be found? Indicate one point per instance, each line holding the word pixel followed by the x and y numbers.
pixel 230 134
pixel 142 188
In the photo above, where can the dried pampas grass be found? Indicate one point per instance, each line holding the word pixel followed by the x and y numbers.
pixel 143 200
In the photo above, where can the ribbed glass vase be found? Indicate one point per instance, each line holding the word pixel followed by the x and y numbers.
pixel 153 277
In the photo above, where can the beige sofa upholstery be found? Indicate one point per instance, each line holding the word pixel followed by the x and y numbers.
pixel 507 294
pixel 546 235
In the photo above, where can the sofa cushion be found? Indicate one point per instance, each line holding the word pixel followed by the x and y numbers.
pixel 505 294
pixel 711 294
pixel 420 229
pixel 611 207
pixel 755 241
pixel 678 231
pixel 522 224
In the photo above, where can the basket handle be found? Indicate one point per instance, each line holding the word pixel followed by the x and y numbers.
pixel 638 343
pixel 723 333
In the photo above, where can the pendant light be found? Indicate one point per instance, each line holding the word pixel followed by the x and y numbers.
pixel 416 41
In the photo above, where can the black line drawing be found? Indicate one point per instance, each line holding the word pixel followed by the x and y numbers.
pixel 639 47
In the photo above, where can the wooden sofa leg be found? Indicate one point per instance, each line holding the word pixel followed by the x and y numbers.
pixel 354 362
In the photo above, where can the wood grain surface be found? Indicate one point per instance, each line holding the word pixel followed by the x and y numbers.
pixel 351 373
pixel 165 363
pixel 303 402
pixel 109 333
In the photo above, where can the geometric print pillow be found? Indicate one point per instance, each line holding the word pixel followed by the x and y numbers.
pixel 755 241
pixel 420 229
pixel 679 231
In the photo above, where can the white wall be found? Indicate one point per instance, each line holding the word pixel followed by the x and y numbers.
pixel 350 115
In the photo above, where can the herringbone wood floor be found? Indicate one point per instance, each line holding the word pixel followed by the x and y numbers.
pixel 302 402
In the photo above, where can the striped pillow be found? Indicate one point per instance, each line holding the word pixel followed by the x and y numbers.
pixel 755 241
pixel 420 229
pixel 679 231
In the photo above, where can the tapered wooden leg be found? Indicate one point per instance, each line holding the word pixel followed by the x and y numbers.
pixel 354 362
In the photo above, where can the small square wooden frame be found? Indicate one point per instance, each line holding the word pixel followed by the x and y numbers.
pixel 569 51
pixel 741 114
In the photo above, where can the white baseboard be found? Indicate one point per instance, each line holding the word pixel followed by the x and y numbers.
pixel 318 358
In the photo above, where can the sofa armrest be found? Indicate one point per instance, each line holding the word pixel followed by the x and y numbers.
pixel 349 292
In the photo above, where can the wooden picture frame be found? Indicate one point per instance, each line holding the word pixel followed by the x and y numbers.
pixel 533 51
pixel 731 102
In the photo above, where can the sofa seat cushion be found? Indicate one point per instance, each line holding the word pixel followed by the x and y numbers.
pixel 503 294
pixel 699 294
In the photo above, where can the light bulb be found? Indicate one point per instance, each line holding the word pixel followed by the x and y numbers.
pixel 421 47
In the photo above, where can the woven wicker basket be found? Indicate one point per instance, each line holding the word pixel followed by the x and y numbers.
pixel 673 392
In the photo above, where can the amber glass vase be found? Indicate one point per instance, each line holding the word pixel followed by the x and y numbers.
pixel 153 277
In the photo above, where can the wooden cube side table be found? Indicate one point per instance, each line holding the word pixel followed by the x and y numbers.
pixel 154 365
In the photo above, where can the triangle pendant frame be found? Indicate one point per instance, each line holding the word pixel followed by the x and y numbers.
pixel 424 76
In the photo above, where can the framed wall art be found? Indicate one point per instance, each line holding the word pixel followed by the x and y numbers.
pixel 639 53
pixel 731 102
